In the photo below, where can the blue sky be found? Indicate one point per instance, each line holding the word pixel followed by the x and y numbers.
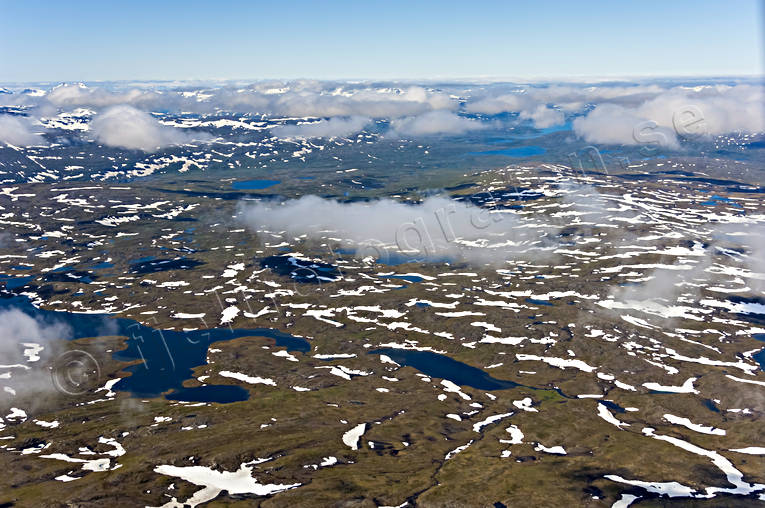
pixel 137 40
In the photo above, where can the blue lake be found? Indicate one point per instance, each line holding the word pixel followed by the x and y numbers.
pixel 408 278
pixel 391 257
pixel 537 133
pixel 254 184
pixel 223 394
pixel 521 151
pixel 15 282
pixel 715 199
pixel 142 260
pixel 441 366
pixel 710 404
pixel 613 406
pixel 152 265
pixel 102 266
pixel 301 270
pixel 165 357
pixel 539 302
pixel 760 358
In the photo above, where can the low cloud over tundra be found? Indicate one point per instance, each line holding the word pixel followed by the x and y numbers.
pixel 23 341
pixel 299 98
pixel 750 240
pixel 433 123
pixel 655 113
pixel 18 131
pixel 436 229
pixel 19 328
pixel 616 125
pixel 677 114
pixel 128 127
pixel 331 128
pixel 543 117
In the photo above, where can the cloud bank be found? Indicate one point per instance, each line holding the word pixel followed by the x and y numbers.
pixel 756 259
pixel 750 240
pixel 436 229
pixel 78 95
pixel 374 103
pixel 644 113
pixel 19 327
pixel 21 336
pixel 617 125
pixel 17 131
pixel 543 117
pixel 337 127
pixel 433 123
pixel 300 98
pixel 127 127
pixel 677 114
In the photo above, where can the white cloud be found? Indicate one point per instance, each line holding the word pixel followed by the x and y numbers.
pixel 369 102
pixel 127 127
pixel 493 101
pixel 505 103
pixel 434 122
pixel 17 131
pixel 436 229
pixel 612 124
pixel 423 110
pixel 78 95
pixel 332 128
pixel 530 105
pixel 752 239
pixel 19 327
pixel 678 112
pixel 757 256
pixel 566 94
pixel 301 98
pixel 724 109
pixel 298 98
pixel 544 117
pixel 22 337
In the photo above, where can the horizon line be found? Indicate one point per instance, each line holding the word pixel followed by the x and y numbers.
pixel 477 79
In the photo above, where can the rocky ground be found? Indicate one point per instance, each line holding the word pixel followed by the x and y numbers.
pixel 628 321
